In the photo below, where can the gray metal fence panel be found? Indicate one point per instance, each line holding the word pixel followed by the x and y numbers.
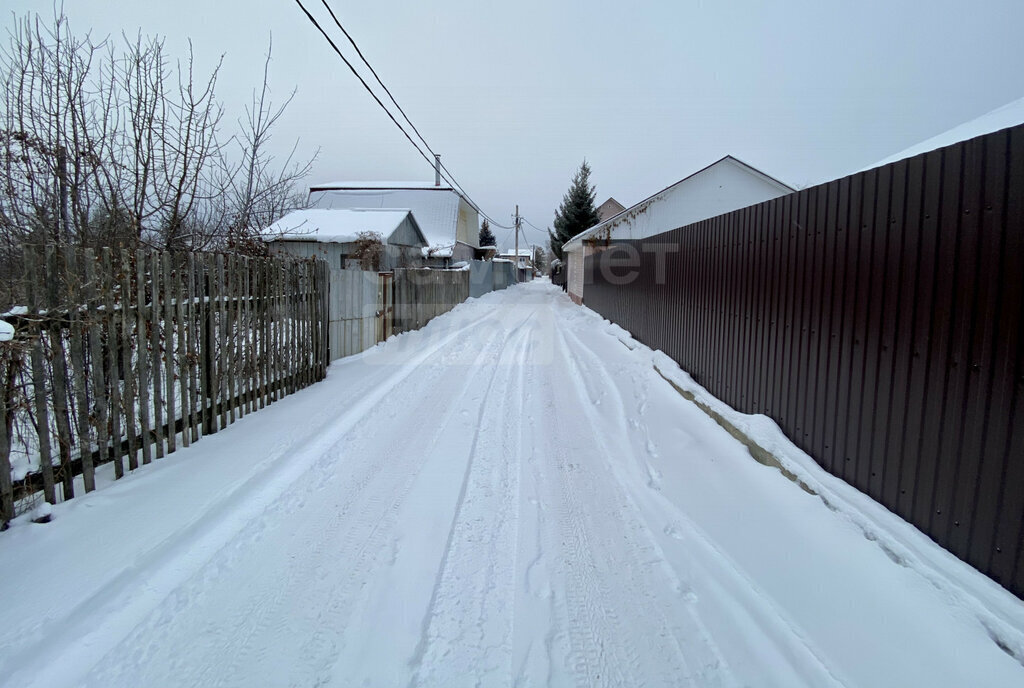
pixel 481 277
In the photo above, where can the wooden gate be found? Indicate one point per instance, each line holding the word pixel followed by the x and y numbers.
pixel 385 305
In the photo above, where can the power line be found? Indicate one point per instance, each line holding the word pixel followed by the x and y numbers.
pixel 361 80
pixel 533 225
pixel 450 178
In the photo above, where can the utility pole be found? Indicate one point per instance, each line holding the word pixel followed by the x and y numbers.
pixel 516 263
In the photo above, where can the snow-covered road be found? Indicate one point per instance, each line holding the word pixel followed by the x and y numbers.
pixel 513 496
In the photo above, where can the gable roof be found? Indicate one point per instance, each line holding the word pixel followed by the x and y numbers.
pixel 436 208
pixel 1009 115
pixel 339 225
pixel 609 209
pixel 728 159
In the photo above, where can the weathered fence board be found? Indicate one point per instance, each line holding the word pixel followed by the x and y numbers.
pixel 422 295
pixel 128 353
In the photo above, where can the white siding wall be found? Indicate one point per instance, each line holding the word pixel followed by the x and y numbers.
pixel 468 228
pixel 722 188
pixel 575 277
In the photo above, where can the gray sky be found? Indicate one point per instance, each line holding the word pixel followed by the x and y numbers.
pixel 515 95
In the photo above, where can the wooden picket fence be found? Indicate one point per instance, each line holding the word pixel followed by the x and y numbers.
pixel 125 356
pixel 422 295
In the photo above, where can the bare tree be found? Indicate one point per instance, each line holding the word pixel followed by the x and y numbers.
pixel 110 143
pixel 260 191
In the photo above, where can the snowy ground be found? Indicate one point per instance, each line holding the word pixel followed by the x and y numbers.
pixel 514 495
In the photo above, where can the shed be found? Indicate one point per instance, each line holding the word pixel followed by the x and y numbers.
pixel 332 235
pixel 449 222
pixel 723 186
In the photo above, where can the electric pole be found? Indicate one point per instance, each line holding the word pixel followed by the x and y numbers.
pixel 517 243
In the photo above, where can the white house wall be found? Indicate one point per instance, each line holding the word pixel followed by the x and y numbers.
pixel 468 229
pixel 721 188
pixel 574 283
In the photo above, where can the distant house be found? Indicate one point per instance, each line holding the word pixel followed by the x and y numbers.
pixel 609 209
pixel 449 222
pixel 332 236
pixel 524 264
pixel 725 185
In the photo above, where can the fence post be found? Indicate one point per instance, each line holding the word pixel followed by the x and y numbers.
pixel 169 349
pixel 156 369
pixel 142 357
pixel 206 356
pixel 60 372
pixel 6 489
pixel 77 333
pixel 32 260
pixel 182 289
pixel 126 357
pixel 114 389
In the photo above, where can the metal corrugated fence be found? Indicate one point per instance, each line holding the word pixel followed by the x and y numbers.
pixel 877 318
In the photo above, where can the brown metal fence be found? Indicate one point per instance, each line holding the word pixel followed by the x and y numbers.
pixel 877 318
pixel 124 354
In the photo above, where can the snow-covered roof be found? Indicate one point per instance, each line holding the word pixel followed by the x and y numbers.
pixel 335 226
pixel 6 331
pixel 724 162
pixel 523 252
pixel 1009 115
pixel 436 209
pixel 438 251
pixel 377 185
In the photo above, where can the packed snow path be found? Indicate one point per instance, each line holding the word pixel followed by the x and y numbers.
pixel 513 496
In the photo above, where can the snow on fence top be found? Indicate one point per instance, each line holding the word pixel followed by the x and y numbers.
pixel 1009 115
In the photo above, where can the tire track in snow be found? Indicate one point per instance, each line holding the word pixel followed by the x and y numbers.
pixel 734 593
pixel 467 628
pixel 611 560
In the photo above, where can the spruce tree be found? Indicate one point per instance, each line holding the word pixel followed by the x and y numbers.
pixel 577 211
pixel 486 235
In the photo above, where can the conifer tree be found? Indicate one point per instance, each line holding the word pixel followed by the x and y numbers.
pixel 486 235
pixel 577 211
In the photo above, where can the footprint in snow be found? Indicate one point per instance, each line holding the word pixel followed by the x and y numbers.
pixel 673 532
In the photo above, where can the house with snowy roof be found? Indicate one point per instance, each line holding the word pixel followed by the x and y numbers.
pixel 335 235
pixel 449 222
pixel 723 186
pixel 524 262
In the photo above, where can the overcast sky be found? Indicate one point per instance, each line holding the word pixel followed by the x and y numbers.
pixel 515 95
